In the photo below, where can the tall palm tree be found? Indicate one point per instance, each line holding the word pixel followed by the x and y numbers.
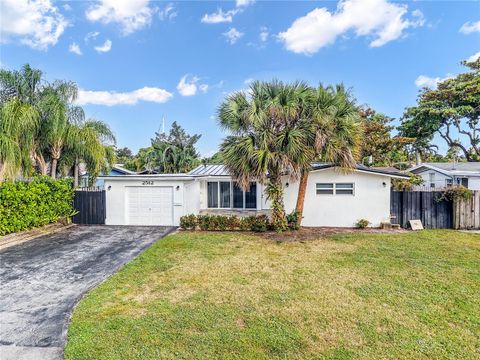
pixel 91 142
pixel 268 138
pixel 59 116
pixel 335 133
pixel 18 123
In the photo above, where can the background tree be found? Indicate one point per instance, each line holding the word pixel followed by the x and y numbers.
pixel 267 138
pixel 175 152
pixel 216 158
pixel 452 110
pixel 123 155
pixel 59 131
pixel 378 143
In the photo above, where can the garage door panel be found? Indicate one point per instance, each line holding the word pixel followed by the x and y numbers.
pixel 150 205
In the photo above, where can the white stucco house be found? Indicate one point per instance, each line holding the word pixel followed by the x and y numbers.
pixel 334 197
pixel 441 175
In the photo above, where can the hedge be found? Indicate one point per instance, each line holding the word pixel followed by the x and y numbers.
pixel 222 223
pixel 27 204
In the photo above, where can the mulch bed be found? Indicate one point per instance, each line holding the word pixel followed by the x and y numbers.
pixel 315 233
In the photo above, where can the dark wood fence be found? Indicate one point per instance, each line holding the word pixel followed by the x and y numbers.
pixel 427 206
pixel 90 204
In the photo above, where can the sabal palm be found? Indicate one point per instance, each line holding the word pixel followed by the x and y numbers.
pixel 335 133
pixel 18 123
pixel 268 138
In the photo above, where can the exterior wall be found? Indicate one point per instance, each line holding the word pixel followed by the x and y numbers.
pixel 474 183
pixel 440 180
pixel 371 199
pixel 116 199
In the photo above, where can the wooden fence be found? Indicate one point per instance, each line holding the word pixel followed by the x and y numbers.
pixel 434 210
pixel 427 206
pixel 466 213
pixel 90 204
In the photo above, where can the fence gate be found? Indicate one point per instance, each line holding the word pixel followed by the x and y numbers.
pixel 467 212
pixel 435 213
pixel 90 205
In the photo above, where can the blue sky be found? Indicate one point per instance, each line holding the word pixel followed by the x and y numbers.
pixel 136 61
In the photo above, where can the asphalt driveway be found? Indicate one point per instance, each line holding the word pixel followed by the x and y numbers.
pixel 42 280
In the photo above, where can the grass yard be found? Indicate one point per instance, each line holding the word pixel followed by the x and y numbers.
pixel 231 295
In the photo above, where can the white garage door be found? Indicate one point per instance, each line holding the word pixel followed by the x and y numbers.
pixel 149 205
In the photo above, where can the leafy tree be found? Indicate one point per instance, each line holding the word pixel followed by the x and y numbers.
pixel 124 155
pixel 378 142
pixel 175 152
pixel 18 122
pixel 59 133
pixel 216 158
pixel 450 109
pixel 267 138
pixel 332 133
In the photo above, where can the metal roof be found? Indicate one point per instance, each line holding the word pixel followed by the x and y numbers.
pixel 220 170
pixel 210 170
pixel 457 166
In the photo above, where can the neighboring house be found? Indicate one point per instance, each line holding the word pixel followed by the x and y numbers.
pixel 441 175
pixel 334 197
pixel 116 170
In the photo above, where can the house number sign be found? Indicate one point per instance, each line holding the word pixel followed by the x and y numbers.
pixel 147 182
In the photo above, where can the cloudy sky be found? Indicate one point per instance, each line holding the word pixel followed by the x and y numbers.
pixel 137 61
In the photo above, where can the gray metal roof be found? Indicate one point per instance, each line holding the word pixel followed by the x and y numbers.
pixel 220 170
pixel 210 170
pixel 458 166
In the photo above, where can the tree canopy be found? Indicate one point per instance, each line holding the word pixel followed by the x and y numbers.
pixel 452 111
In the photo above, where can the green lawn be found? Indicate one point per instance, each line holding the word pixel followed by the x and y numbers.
pixel 231 295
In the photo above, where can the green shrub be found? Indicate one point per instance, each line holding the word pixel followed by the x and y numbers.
pixel 362 223
pixel 292 220
pixel 27 204
pixel 224 223
pixel 188 222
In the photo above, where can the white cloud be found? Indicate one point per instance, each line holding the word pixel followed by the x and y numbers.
pixel 106 47
pixel 67 7
pixel 131 15
pixel 35 23
pixel 240 3
pixel 189 87
pixel 91 35
pixel 474 57
pixel 75 48
pixel 470 27
pixel 263 34
pixel 380 19
pixel 233 35
pixel 248 81
pixel 168 12
pixel 111 98
pixel 219 17
pixel 430 82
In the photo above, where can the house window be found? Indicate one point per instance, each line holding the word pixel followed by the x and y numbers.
pixel 462 181
pixel 344 188
pixel 448 182
pixel 212 188
pixel 431 177
pixel 335 188
pixel 228 195
pixel 325 189
pixel 225 194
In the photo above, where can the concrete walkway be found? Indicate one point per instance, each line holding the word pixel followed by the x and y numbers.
pixel 42 280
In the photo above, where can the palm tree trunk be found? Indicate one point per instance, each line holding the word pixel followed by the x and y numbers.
pixel 2 171
pixel 302 190
pixel 418 158
pixel 75 174
pixel 53 170
pixel 42 164
pixel 275 193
